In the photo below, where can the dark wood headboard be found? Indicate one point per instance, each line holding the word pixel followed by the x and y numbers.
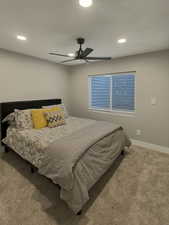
pixel 8 107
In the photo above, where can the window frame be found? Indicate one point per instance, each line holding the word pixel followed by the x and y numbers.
pixel 110 110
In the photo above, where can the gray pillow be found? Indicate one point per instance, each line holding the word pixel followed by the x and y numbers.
pixel 62 106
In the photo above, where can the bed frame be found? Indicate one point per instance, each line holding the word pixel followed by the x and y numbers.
pixel 8 107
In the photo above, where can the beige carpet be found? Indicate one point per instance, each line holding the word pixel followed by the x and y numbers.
pixel 135 191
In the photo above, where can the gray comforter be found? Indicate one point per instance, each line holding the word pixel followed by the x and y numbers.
pixel 63 154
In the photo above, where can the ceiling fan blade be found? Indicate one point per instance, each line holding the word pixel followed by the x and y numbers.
pixel 86 52
pixel 98 58
pixel 52 53
pixel 70 60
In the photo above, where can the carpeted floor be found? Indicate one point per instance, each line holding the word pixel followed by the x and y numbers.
pixel 135 191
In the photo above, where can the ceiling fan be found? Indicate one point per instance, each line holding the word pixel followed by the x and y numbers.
pixel 81 54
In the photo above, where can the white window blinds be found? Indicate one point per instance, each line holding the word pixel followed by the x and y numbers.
pixel 112 92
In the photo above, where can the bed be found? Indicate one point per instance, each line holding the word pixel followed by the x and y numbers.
pixel 52 150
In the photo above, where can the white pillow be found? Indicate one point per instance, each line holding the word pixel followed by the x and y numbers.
pixel 21 119
pixel 62 106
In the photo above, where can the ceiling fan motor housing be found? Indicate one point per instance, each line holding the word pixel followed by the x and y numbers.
pixel 80 41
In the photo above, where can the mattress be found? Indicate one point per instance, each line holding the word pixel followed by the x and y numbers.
pixel 31 145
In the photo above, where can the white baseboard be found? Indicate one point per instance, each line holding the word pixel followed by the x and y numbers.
pixel 158 148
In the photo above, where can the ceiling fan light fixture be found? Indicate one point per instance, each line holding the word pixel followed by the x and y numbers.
pixel 85 3
pixel 122 40
pixel 71 54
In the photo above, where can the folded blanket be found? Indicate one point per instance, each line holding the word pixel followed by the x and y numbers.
pixel 62 155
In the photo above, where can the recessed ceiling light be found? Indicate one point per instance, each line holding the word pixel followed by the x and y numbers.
pixel 21 37
pixel 85 3
pixel 122 40
pixel 71 54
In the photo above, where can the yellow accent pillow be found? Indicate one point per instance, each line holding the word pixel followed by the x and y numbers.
pixel 38 117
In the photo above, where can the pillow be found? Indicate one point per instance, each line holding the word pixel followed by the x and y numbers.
pixel 23 119
pixel 20 119
pixel 10 119
pixel 55 118
pixel 38 117
pixel 62 106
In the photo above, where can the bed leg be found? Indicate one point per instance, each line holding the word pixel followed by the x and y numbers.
pixel 32 169
pixel 79 213
pixel 6 149
pixel 122 152
pixel 59 187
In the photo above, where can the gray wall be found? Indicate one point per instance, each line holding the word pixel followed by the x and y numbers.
pixel 26 78
pixel 152 80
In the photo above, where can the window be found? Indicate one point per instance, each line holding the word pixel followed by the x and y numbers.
pixel 114 92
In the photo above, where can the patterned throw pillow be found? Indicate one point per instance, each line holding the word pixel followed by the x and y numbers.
pixel 23 119
pixel 55 118
pixel 62 106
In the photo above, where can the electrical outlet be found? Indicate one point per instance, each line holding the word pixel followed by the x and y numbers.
pixel 138 132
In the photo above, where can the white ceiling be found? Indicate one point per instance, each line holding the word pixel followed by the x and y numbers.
pixel 55 24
